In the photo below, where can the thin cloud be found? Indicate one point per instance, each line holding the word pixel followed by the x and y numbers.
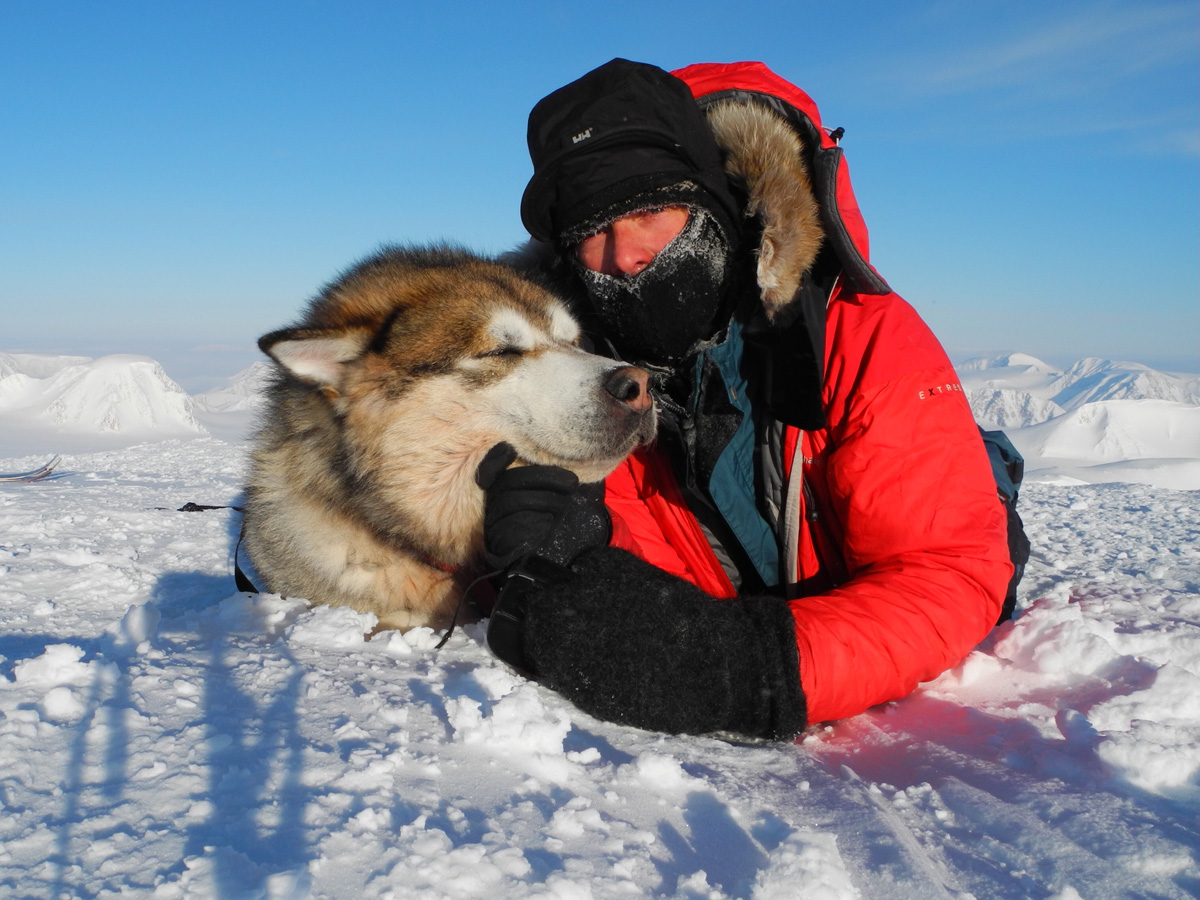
pixel 1166 133
pixel 1121 71
pixel 1082 53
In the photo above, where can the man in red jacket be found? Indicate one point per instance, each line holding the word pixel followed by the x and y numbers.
pixel 816 529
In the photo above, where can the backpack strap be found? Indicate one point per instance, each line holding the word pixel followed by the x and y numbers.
pixel 1008 468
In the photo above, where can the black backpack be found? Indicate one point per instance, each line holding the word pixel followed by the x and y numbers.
pixel 1008 468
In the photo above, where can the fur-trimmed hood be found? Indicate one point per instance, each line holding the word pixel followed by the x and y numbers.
pixel 774 142
pixel 791 173
pixel 765 156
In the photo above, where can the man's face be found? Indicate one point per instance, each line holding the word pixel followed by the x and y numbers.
pixel 629 244
pixel 657 281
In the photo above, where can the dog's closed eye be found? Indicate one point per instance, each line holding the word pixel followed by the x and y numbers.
pixel 503 350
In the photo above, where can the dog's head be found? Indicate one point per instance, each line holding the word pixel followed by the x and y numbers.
pixel 428 358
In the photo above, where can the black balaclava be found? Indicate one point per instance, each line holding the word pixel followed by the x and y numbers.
pixel 660 314
pixel 628 137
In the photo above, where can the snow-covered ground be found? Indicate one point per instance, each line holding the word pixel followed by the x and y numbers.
pixel 162 735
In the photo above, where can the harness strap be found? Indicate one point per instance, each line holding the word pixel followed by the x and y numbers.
pixel 791 527
pixel 458 606
pixel 240 578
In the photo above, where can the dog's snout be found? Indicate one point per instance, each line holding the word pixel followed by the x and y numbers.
pixel 630 386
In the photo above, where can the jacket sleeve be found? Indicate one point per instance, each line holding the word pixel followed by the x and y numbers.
pixel 905 488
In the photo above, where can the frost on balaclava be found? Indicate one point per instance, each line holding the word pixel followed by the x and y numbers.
pixel 659 315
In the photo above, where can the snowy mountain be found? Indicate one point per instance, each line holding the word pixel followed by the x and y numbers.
pixel 1139 441
pixel 1031 385
pixel 1016 370
pixel 242 393
pixel 37 365
pixel 1010 407
pixel 120 398
pixel 1010 391
pixel 231 412
pixel 1099 420
pixel 1092 380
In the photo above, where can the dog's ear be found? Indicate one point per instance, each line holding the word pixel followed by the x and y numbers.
pixel 315 356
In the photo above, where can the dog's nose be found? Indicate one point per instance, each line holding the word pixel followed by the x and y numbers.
pixel 630 386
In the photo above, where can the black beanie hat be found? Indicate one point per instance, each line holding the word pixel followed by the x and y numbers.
pixel 625 136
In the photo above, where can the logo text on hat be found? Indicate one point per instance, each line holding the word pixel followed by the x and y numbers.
pixel 582 136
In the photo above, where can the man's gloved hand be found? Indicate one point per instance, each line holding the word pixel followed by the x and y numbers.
pixel 629 643
pixel 536 520
pixel 621 639
pixel 540 510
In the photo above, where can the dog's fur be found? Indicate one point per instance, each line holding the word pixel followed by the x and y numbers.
pixel 401 376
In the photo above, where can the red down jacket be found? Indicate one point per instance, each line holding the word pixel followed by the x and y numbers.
pixel 895 548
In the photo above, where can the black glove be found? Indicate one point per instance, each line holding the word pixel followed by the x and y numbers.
pixel 540 510
pixel 630 643
pixel 536 519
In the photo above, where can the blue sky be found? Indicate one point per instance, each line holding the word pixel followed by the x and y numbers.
pixel 177 178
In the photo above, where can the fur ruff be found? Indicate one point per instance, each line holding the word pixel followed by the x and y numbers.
pixel 766 155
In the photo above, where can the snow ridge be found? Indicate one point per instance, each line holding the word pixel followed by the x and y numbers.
pixel 1032 385
pixel 244 392
pixel 1100 420
pixel 121 393
pixel 1091 380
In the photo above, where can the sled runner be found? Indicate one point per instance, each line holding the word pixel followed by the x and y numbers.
pixel 43 471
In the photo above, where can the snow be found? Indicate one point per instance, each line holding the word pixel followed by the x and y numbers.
pixel 241 393
pixel 1092 379
pixel 229 411
pixel 164 736
pixel 1099 421
pixel 88 402
pixel 38 365
pixel 1011 408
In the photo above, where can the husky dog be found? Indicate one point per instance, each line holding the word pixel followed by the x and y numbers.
pixel 391 389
